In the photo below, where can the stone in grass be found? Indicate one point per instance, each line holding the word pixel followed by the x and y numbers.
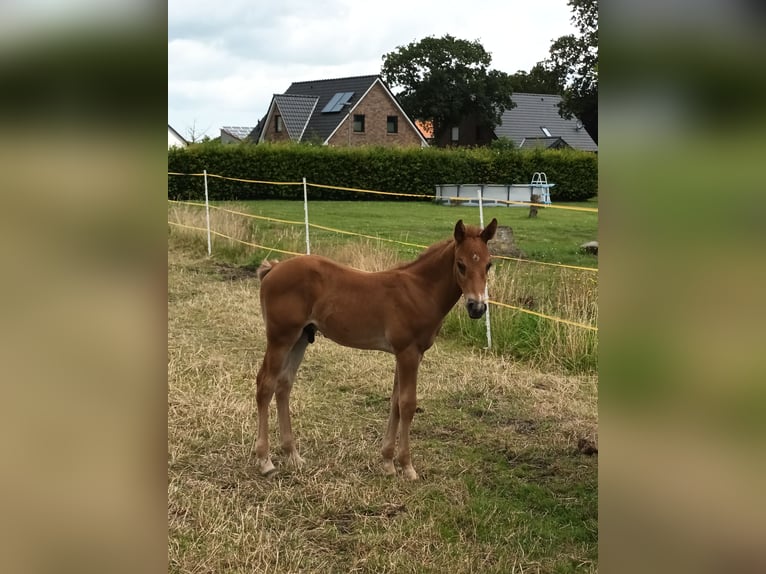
pixel 590 247
pixel 504 243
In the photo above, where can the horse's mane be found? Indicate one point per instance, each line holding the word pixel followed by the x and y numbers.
pixel 426 254
pixel 470 231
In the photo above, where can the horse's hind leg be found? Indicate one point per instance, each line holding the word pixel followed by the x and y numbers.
pixel 284 386
pixel 268 376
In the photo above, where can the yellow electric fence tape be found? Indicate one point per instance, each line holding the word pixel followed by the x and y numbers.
pixel 590 327
pixel 234 239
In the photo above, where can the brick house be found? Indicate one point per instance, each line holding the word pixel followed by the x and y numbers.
pixel 352 111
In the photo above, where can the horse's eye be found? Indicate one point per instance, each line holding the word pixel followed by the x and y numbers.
pixel 461 267
pixel 488 266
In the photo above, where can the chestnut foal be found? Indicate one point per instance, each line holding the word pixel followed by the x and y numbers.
pixel 399 310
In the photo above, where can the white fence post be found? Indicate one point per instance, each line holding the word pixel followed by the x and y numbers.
pixel 486 290
pixel 306 216
pixel 207 216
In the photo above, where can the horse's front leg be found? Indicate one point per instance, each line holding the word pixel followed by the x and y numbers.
pixel 389 440
pixel 407 363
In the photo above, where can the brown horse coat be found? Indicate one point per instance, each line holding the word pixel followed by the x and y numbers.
pixel 399 311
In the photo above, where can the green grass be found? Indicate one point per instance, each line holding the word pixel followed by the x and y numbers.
pixel 553 237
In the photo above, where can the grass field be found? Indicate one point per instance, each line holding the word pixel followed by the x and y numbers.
pixel 503 485
pixel 553 237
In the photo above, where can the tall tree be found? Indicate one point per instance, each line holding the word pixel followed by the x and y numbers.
pixel 543 78
pixel 447 79
pixel 577 57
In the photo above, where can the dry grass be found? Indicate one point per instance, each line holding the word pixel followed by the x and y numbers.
pixel 502 489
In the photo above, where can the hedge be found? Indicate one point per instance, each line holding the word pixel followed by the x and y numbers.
pixel 402 170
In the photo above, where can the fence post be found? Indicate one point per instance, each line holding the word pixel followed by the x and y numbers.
pixel 306 215
pixel 486 290
pixel 207 216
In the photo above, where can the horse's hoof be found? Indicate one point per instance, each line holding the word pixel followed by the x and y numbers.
pixel 388 468
pixel 410 474
pixel 266 467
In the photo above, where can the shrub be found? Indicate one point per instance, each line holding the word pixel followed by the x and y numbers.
pixel 400 170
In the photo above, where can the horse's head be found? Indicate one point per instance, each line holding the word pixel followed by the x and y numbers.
pixel 472 262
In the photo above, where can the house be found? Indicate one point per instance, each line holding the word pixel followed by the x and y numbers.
pixel 235 134
pixel 535 123
pixel 467 133
pixel 354 111
pixel 175 139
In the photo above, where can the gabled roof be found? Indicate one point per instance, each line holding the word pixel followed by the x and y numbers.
pixel 543 143
pixel 238 132
pixel 295 111
pixel 314 110
pixel 536 111
pixel 322 125
pixel 177 135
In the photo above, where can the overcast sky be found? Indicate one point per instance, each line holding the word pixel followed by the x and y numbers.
pixel 226 59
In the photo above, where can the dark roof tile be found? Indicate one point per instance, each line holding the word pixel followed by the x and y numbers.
pixel 535 111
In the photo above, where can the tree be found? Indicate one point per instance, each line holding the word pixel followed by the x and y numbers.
pixel 543 78
pixel 446 80
pixel 577 58
pixel 194 134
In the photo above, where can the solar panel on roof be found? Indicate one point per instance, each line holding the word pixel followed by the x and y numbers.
pixel 330 107
pixel 337 102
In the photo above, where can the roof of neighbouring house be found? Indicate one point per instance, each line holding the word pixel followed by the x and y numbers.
pixel 239 132
pixel 543 142
pixel 532 113
pixel 176 134
pixel 426 128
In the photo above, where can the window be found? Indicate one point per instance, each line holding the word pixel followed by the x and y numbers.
pixel 545 131
pixel 278 126
pixel 358 123
pixel 455 134
pixel 392 124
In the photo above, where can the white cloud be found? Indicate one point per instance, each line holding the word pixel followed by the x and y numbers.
pixel 225 61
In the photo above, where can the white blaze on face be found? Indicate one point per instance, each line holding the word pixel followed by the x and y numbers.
pixel 475 296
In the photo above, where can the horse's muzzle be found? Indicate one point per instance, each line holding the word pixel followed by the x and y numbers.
pixel 476 309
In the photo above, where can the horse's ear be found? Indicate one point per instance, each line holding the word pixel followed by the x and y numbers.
pixel 459 231
pixel 489 231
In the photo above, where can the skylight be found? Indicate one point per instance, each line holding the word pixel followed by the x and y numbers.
pixel 337 102
pixel 545 131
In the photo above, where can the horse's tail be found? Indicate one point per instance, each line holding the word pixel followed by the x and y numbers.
pixel 264 268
